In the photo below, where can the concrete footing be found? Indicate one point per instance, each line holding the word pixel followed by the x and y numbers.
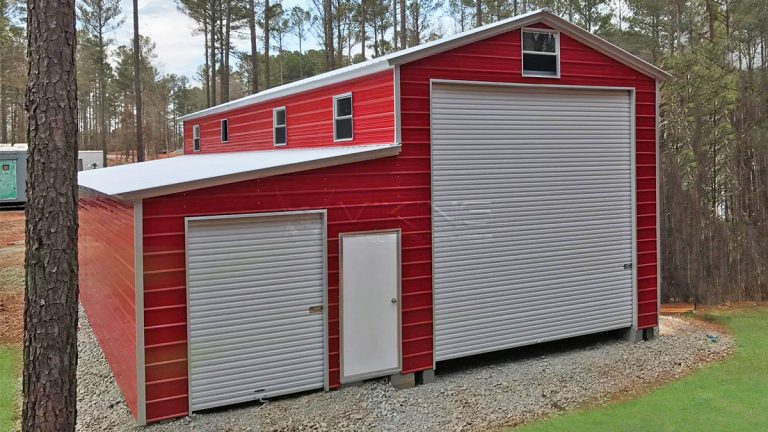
pixel 403 381
pixel 635 335
pixel 425 377
pixel 352 384
pixel 650 333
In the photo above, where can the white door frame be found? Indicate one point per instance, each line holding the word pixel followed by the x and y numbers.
pixel 633 170
pixel 324 217
pixel 355 378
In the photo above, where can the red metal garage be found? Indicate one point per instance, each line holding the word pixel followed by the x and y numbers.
pixel 491 189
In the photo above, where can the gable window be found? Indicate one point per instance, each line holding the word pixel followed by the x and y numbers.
pixel 342 117
pixel 224 130
pixel 196 137
pixel 279 125
pixel 541 53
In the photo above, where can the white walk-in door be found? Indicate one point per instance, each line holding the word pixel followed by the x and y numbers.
pixel 256 299
pixel 370 305
pixel 532 215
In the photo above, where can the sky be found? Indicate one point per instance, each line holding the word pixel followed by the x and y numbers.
pixel 179 48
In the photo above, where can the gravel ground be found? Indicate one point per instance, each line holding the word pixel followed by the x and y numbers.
pixel 482 393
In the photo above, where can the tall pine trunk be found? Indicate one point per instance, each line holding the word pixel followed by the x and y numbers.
pixel 137 83
pixel 207 66
pixel 363 24
pixel 254 48
pixel 267 24
pixel 330 62
pixel 403 31
pixel 225 48
pixel 3 110
pixel 50 311
pixel 395 27
pixel 102 97
pixel 213 54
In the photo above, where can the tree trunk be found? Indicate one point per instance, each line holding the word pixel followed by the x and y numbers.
pixel 478 13
pixel 254 48
pixel 50 312
pixel 403 32
pixel 137 83
pixel 207 66
pixel 213 54
pixel 102 97
pixel 3 102
pixel 328 34
pixel 395 27
pixel 225 48
pixel 363 24
pixel 267 24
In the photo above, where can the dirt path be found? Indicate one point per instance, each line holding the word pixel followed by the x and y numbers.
pixel 11 276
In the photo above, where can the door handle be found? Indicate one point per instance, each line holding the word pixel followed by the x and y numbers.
pixel 394 300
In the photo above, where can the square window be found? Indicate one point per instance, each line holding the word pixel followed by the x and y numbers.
pixel 541 42
pixel 196 138
pixel 540 64
pixel 224 130
pixel 344 129
pixel 540 53
pixel 342 118
pixel 344 106
pixel 280 127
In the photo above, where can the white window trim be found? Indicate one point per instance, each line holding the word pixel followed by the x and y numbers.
pixel 556 53
pixel 351 116
pixel 275 125
pixel 221 130
pixel 196 136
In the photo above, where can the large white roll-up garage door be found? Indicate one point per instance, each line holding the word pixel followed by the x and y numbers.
pixel 256 294
pixel 532 215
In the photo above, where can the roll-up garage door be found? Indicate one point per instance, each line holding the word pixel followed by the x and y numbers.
pixel 532 215
pixel 256 294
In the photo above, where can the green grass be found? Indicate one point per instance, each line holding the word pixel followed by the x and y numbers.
pixel 728 396
pixel 10 367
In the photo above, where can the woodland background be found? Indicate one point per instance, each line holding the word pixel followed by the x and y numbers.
pixel 714 121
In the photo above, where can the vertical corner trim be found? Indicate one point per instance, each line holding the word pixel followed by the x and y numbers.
pixel 657 149
pixel 138 250
pixel 396 97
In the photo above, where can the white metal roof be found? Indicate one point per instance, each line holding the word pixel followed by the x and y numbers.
pixel 14 147
pixel 386 62
pixel 177 174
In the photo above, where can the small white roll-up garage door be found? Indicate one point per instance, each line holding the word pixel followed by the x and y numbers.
pixel 256 295
pixel 532 215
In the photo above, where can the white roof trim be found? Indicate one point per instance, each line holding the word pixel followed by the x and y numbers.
pixel 435 47
pixel 347 73
pixel 177 174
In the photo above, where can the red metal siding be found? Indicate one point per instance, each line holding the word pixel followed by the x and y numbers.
pixel 381 194
pixel 497 59
pixel 386 193
pixel 107 292
pixel 309 118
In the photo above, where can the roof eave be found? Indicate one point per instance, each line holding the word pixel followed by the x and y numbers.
pixel 392 150
pixel 310 83
pixel 491 30
pixel 601 45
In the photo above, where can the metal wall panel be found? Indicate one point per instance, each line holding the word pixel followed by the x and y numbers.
pixel 532 215
pixel 309 119
pixel 252 282
pixel 106 252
